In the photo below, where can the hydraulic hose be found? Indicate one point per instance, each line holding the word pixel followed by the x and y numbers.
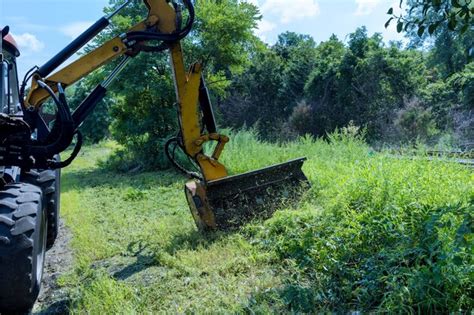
pixel 147 36
pixel 77 148
pixel 171 157
pixel 66 127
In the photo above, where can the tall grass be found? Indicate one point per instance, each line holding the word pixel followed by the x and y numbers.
pixel 374 233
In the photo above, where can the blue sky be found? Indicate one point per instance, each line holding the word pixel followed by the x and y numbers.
pixel 43 27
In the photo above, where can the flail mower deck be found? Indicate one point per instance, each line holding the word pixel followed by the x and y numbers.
pixel 228 203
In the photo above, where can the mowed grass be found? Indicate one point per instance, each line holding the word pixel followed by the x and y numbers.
pixel 137 250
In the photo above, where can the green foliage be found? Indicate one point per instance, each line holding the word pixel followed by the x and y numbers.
pixel 374 233
pixel 366 84
pixel 451 52
pixel 301 119
pixel 412 258
pixel 452 103
pixel 296 87
pixel 222 35
pixel 415 122
pixel 255 96
pixel 144 116
pixel 145 113
pixel 291 88
pixel 268 91
pixel 141 109
pixel 377 234
pixel 431 15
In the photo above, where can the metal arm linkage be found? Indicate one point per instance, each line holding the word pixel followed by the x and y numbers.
pixel 161 24
pixel 161 16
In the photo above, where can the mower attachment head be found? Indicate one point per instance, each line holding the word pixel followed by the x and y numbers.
pixel 230 202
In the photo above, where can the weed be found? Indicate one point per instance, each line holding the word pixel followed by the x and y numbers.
pixel 373 234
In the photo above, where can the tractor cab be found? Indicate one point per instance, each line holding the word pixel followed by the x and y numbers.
pixel 9 91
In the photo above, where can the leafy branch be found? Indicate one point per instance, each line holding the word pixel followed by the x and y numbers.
pixel 429 15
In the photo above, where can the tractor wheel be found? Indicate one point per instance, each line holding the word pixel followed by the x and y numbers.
pixel 49 182
pixel 22 246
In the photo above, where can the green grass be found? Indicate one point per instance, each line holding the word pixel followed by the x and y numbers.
pixel 374 233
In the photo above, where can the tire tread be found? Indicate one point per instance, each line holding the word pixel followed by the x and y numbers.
pixel 16 247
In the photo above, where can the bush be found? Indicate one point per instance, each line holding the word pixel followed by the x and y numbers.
pixel 143 122
pixel 415 122
pixel 301 120
pixel 375 234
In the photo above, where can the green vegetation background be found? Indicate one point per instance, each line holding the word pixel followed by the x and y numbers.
pixel 374 233
pixel 421 92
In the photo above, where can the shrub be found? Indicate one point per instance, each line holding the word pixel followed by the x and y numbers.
pixel 143 121
pixel 376 234
pixel 414 121
pixel 301 120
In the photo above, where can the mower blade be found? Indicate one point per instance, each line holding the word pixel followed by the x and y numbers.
pixel 228 203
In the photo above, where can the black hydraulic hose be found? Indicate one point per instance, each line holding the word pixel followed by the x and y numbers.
pixel 61 111
pixel 73 47
pixel 66 128
pixel 26 78
pixel 173 161
pixel 70 159
pixel 146 36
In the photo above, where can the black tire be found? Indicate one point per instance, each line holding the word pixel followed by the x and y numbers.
pixel 49 182
pixel 22 246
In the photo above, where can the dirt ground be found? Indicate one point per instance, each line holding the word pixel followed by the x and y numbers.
pixel 53 299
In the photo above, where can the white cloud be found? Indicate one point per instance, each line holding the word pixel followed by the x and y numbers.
pixel 264 26
pixel 290 10
pixel 75 29
pixel 366 7
pixel 29 42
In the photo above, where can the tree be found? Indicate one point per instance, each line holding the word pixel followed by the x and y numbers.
pixel 223 35
pixel 429 15
pixel 364 83
pixel 415 122
pixel 255 96
pixel 322 86
pixel 145 114
pixel 268 91
pixel 298 54
pixel 445 30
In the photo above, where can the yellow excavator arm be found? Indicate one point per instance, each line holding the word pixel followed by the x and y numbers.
pixel 216 200
pixel 29 147
pixel 161 18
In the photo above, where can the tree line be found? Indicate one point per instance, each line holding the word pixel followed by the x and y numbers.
pixel 297 87
pixel 423 91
